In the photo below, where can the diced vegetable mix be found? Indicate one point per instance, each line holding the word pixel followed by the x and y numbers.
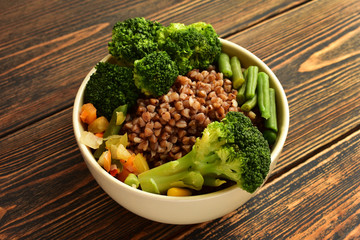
pixel 114 158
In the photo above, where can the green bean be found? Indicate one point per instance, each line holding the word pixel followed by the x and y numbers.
pixel 251 81
pixel 270 136
pixel 263 94
pixel 271 122
pixel 237 76
pixel 249 104
pixel 245 73
pixel 240 96
pixel 224 65
pixel 112 129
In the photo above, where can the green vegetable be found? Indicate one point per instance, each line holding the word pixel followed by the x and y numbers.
pixel 249 104
pixel 109 87
pixel 193 46
pixel 237 78
pixel 232 149
pixel 224 65
pixel 155 73
pixel 271 122
pixel 251 81
pixel 263 101
pixel 134 38
pixel 240 96
pixel 270 136
pixel 245 73
pixel 213 182
pixel 132 180
pixel 112 129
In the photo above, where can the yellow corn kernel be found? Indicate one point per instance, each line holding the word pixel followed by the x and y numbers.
pixel 178 192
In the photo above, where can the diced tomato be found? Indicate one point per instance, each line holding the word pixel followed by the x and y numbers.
pixel 114 172
pixel 123 174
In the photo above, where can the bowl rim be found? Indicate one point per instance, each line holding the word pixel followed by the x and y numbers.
pixel 275 152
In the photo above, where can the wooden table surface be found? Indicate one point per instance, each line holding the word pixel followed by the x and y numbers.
pixel 48 47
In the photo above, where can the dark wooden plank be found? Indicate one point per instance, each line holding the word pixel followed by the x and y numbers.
pixel 47 48
pixel 47 192
pixel 317 61
pixel 53 44
pixel 320 199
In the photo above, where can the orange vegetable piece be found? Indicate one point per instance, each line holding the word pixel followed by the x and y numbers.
pixel 99 134
pixel 88 113
pixel 107 160
pixel 129 163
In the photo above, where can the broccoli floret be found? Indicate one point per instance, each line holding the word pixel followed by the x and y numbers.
pixel 193 46
pixel 232 149
pixel 134 38
pixel 109 87
pixel 155 73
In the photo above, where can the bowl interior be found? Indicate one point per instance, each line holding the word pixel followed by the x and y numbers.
pixel 192 209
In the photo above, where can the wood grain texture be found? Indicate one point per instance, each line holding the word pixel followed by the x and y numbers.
pixel 317 61
pixel 55 43
pixel 46 191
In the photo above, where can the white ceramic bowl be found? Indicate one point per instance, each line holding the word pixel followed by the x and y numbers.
pixel 192 209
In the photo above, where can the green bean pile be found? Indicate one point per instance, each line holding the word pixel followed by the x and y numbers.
pixel 254 90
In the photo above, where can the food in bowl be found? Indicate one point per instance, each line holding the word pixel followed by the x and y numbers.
pixel 181 114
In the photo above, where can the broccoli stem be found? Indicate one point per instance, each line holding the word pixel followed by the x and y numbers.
pixel 213 182
pixel 177 173
pixel 190 171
